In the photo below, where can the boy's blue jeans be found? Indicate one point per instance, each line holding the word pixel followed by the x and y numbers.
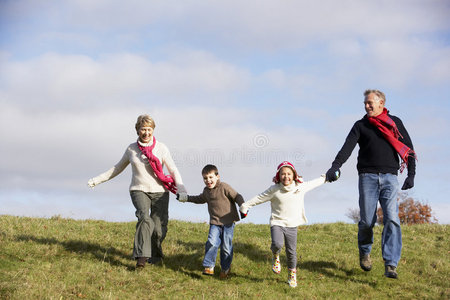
pixel 219 236
pixel 383 188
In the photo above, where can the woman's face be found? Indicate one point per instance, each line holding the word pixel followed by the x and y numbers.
pixel 286 176
pixel 145 133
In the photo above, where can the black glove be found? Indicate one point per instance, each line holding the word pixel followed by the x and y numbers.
pixel 243 215
pixel 332 174
pixel 409 182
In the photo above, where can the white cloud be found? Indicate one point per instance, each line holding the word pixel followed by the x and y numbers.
pixel 76 80
pixel 346 47
pixel 293 22
pixel 442 212
pixel 48 149
pixel 437 70
pixel 254 24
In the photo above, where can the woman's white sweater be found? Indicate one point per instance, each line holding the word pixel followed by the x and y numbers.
pixel 143 178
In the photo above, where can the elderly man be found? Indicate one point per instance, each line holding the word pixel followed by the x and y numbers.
pixel 383 141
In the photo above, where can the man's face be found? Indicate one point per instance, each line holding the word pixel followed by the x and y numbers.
pixel 210 180
pixel 373 105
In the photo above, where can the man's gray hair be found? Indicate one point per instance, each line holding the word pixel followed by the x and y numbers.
pixel 378 94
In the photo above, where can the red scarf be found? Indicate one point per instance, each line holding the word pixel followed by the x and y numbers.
pixel 390 132
pixel 167 180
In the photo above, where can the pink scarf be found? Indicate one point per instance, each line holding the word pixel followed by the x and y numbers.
pixel 390 132
pixel 167 180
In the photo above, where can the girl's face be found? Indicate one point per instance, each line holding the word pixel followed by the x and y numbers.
pixel 286 176
pixel 145 134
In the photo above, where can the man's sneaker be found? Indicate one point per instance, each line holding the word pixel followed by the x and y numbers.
pixel 292 278
pixel 208 271
pixel 276 266
pixel 365 262
pixel 141 262
pixel 224 274
pixel 390 271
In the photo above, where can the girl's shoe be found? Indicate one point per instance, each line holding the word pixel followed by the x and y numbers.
pixel 276 266
pixel 208 271
pixel 292 278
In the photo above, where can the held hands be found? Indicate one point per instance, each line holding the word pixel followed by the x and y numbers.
pixel 91 183
pixel 332 174
pixel 243 211
pixel 182 197
pixel 409 182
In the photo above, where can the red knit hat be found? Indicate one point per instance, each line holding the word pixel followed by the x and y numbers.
pixel 297 178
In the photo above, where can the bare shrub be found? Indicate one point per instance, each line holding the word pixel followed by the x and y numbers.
pixel 353 214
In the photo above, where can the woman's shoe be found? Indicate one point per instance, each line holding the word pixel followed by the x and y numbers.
pixel 141 262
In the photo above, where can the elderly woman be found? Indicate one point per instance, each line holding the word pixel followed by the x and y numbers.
pixel 149 189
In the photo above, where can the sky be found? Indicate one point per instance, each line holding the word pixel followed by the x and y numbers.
pixel 243 85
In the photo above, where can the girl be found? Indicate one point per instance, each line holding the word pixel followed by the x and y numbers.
pixel 288 212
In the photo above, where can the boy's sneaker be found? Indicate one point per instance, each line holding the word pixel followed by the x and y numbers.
pixel 224 274
pixel 365 262
pixel 208 271
pixel 390 271
pixel 292 278
pixel 276 266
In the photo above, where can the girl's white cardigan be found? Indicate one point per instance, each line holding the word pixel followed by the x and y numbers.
pixel 287 202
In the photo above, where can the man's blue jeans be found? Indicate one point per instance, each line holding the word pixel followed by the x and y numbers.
pixel 383 188
pixel 219 236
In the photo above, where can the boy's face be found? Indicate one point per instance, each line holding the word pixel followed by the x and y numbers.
pixel 210 179
pixel 286 176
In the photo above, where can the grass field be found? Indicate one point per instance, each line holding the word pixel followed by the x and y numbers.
pixel 61 258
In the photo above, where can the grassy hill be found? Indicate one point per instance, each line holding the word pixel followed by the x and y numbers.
pixel 69 259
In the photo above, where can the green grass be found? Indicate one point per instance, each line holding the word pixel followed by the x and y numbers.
pixel 61 258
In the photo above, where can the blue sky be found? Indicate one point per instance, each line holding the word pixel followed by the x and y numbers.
pixel 243 85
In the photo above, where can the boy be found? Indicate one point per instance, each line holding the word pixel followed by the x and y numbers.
pixel 221 199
